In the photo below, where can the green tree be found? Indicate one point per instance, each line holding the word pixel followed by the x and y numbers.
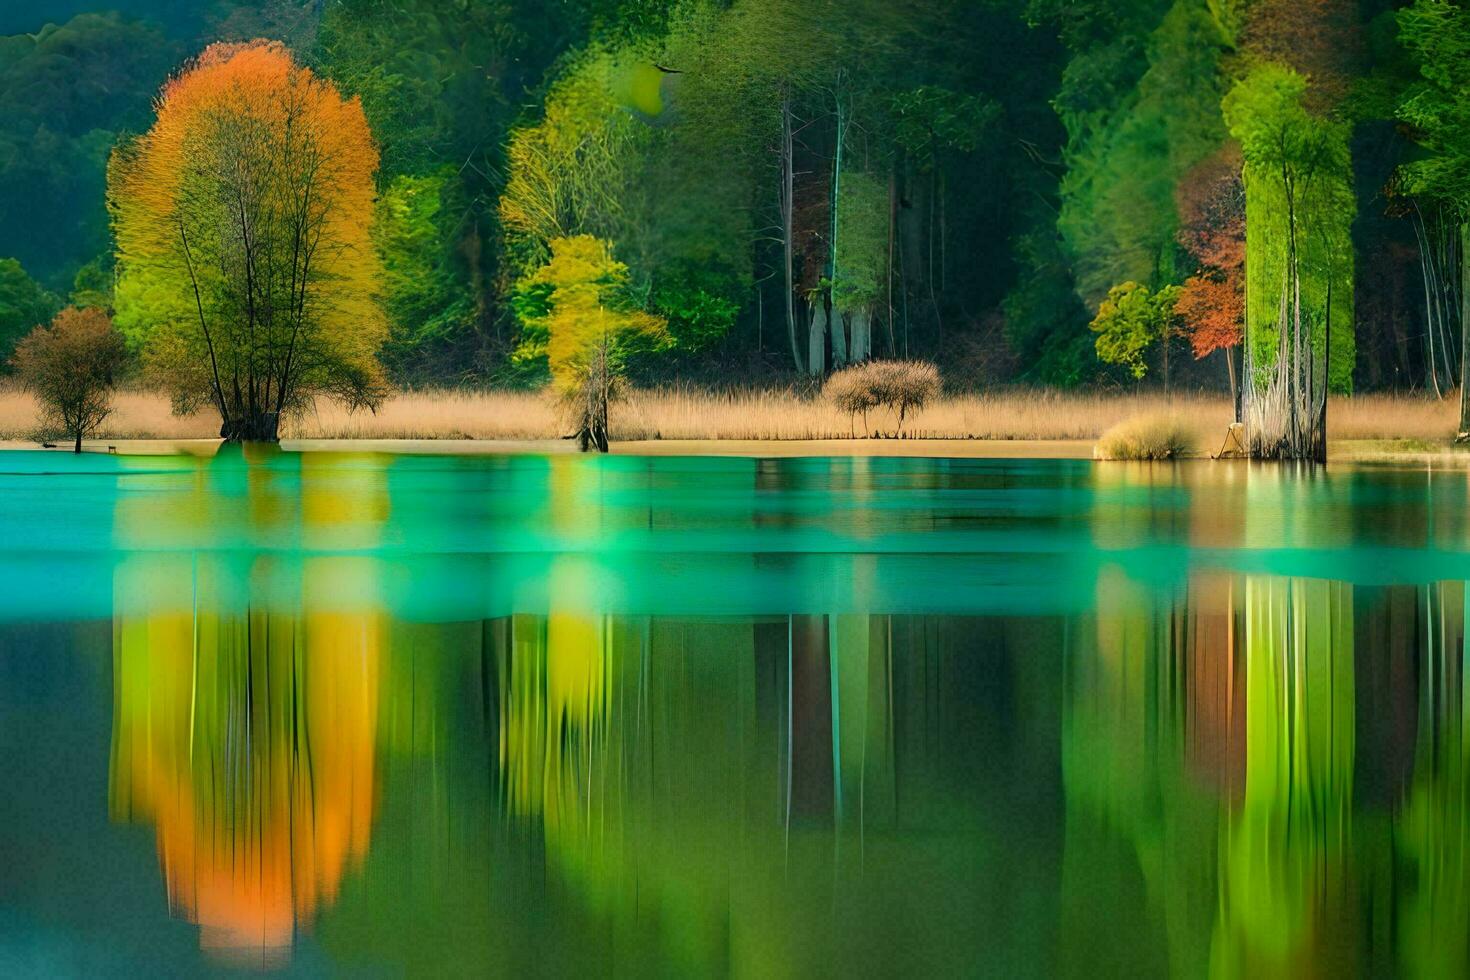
pixel 577 171
pixel 91 288
pixel 430 305
pixel 574 303
pixel 577 313
pixel 857 288
pixel 1131 322
pixel 1118 216
pixel 66 92
pixel 624 154
pixel 697 302
pixel 1437 35
pixel 23 304
pixel 443 84
pixel 1299 260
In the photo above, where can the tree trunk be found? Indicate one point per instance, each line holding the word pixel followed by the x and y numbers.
pixel 834 317
pixel 78 447
pixel 892 222
pixel 1431 303
pixel 1319 433
pixel 788 204
pixel 1464 434
pixel 943 232
pixel 838 323
pixel 862 332
pixel 816 340
pixel 933 296
pixel 1234 387
pixel 255 427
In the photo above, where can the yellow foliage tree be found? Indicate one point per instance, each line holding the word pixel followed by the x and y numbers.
pixel 577 170
pixel 243 217
pixel 577 303
pixel 576 312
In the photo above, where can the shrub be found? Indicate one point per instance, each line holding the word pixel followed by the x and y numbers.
pixel 852 392
pixel 907 386
pixel 71 367
pixel 1146 437
pixel 902 386
pixel 23 303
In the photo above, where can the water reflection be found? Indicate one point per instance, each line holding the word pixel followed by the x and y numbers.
pixel 765 718
pixel 247 739
pixel 683 790
pixel 245 714
pixel 1234 760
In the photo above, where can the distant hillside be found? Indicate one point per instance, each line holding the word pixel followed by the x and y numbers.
pixel 29 16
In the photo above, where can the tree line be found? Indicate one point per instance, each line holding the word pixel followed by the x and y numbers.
pixel 1259 194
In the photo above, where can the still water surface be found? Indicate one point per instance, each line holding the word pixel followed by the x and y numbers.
pixel 585 716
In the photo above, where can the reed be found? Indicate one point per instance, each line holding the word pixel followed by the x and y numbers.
pixel 756 414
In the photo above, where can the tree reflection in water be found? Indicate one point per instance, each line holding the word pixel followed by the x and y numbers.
pixel 1231 774
pixel 244 728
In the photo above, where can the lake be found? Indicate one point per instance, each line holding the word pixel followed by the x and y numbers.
pixel 335 713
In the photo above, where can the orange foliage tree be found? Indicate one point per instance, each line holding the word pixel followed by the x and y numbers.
pixel 243 218
pixel 1211 206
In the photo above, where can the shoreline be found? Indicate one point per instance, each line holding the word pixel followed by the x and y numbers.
pixel 1417 452
pixel 753 448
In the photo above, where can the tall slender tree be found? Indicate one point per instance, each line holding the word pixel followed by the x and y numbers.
pixel 1299 209
pixel 1437 35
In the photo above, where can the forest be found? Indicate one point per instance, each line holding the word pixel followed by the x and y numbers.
pixel 1067 193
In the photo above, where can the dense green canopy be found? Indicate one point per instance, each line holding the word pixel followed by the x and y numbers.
pixel 793 186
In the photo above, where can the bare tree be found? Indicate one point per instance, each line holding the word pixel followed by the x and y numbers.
pixel 587 403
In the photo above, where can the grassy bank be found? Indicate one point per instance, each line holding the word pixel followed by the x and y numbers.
pixel 685 415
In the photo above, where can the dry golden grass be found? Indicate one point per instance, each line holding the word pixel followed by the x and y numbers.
pixel 680 414
pixel 437 415
pixel 136 415
pixel 780 415
pixel 1393 417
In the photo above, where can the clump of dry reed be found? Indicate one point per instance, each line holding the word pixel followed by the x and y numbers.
pixel 1146 437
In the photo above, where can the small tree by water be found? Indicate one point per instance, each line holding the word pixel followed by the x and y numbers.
pixel 1299 261
pixel 900 386
pixel 72 367
pixel 579 313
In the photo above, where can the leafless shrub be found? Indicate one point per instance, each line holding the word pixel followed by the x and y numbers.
pixel 852 392
pixel 902 386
